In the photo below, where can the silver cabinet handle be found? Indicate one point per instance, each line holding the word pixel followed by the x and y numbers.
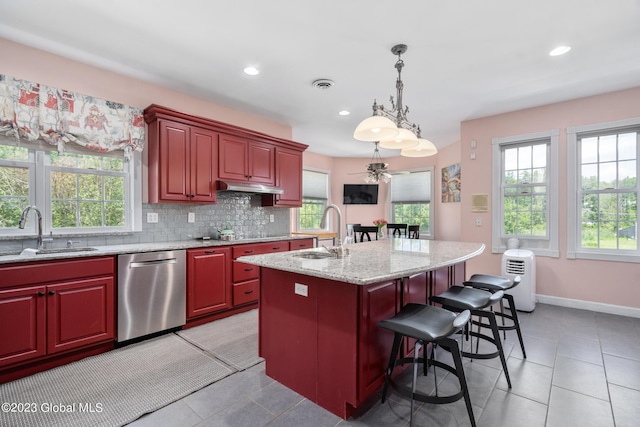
pixel 152 263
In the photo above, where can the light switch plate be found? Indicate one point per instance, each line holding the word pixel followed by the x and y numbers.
pixel 191 217
pixel 152 217
pixel 302 290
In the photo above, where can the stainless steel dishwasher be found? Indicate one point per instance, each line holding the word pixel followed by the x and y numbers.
pixel 152 293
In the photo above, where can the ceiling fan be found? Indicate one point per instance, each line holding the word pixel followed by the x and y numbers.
pixel 377 169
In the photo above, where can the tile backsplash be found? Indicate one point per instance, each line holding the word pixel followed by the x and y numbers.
pixel 243 211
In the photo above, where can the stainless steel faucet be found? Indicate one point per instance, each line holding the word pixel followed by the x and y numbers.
pixel 23 221
pixel 323 223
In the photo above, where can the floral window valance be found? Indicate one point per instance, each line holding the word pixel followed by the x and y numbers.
pixel 32 111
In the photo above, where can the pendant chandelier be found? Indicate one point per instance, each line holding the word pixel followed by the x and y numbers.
pixel 391 128
pixel 377 169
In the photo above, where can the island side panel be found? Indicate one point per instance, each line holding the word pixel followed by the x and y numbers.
pixel 288 331
pixel 337 346
pixel 380 301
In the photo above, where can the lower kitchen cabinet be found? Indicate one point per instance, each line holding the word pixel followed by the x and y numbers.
pixel 246 277
pixel 47 309
pixel 208 281
pixel 301 244
pixel 23 314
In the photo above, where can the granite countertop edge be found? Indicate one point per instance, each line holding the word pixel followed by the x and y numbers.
pixel 362 268
pixel 15 257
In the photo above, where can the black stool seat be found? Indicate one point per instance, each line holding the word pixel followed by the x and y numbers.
pixel 459 298
pixel 495 284
pixel 427 324
pixel 492 283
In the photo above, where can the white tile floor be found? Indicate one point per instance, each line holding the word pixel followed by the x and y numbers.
pixel 582 369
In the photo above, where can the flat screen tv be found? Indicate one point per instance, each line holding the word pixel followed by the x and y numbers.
pixel 360 194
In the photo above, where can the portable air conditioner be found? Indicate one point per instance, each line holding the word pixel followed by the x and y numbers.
pixel 520 262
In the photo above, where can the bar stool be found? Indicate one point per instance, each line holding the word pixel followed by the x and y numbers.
pixel 498 283
pixel 427 324
pixel 459 298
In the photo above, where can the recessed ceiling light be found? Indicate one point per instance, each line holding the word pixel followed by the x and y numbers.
pixel 344 113
pixel 560 50
pixel 252 71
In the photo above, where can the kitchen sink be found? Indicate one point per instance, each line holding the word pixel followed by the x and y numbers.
pixel 315 255
pixel 33 252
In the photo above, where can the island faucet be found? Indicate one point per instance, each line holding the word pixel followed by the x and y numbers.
pixel 323 223
pixel 23 221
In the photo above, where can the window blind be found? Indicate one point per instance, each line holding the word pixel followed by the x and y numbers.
pixel 314 185
pixel 415 187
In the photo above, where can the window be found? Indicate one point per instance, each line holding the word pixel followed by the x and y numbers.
pixel 525 194
pixel 410 197
pixel 77 191
pixel 603 188
pixel 314 199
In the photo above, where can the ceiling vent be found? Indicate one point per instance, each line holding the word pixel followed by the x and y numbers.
pixel 322 84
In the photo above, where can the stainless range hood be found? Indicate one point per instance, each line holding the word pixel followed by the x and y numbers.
pixel 249 187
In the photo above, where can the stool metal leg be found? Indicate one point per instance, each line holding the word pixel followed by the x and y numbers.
pixel 516 322
pixel 498 343
pixel 397 340
pixel 452 345
pixel 416 357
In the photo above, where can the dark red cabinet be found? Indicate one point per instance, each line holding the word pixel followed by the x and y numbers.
pixel 22 324
pixel 183 163
pixel 295 245
pixel 246 277
pixel 208 281
pixel 50 308
pixel 241 159
pixel 288 177
pixel 79 313
pixel 321 338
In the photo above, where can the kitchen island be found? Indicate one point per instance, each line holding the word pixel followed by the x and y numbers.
pixel 318 313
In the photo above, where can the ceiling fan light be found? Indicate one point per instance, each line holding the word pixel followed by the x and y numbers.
pixel 375 128
pixel 404 139
pixel 425 148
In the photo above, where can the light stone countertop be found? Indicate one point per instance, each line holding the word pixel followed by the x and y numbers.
pixel 14 256
pixel 372 262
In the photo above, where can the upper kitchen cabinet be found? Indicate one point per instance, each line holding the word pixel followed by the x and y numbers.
pixel 246 160
pixel 183 163
pixel 288 177
pixel 188 154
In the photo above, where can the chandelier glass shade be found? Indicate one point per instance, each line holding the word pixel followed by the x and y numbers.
pixel 424 148
pixel 375 128
pixel 405 139
pixel 407 134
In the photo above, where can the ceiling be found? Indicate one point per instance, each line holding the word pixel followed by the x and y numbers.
pixel 465 59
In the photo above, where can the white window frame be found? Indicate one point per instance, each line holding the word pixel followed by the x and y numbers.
pixel 574 222
pixel 541 246
pixel 39 192
pixel 424 234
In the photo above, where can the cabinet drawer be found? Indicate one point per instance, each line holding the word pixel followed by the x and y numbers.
pixel 246 292
pixel 243 272
pixel 260 248
pixel 301 244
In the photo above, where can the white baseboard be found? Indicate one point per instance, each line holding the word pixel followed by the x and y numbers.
pixel 588 305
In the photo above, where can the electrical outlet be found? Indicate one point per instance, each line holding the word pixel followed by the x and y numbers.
pixel 478 222
pixel 152 217
pixel 302 290
pixel 271 218
pixel 191 217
